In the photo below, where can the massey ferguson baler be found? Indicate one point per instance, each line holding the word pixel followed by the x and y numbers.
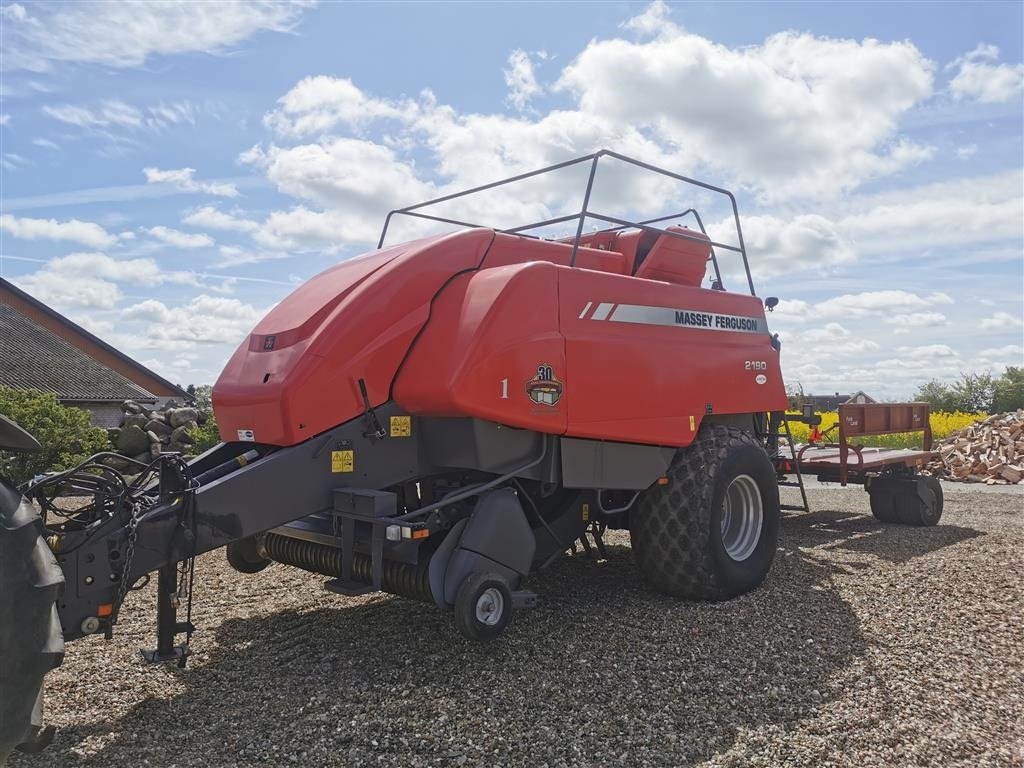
pixel 439 419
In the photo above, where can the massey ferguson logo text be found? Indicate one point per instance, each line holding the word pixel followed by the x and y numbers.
pixel 679 318
pixel 720 322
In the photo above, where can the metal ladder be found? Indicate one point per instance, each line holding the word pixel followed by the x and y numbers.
pixel 805 507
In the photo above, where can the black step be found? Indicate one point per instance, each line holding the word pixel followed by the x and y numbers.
pixel 793 507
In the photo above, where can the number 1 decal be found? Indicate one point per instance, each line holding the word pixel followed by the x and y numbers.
pixel 504 389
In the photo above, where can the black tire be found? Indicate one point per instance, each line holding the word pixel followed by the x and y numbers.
pixel 243 555
pixel 912 509
pixel 883 506
pixel 900 503
pixel 31 640
pixel 676 529
pixel 475 588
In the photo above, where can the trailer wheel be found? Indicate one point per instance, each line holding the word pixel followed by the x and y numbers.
pixel 243 555
pixel 483 606
pixel 31 641
pixel 899 501
pixel 710 532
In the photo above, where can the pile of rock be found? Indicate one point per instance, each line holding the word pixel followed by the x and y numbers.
pixel 144 434
pixel 989 451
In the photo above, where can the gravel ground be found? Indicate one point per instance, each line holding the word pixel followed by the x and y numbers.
pixel 868 646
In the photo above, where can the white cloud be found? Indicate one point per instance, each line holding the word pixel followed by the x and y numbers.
pixel 358 181
pixel 928 351
pixel 184 180
pixel 5 119
pixel 779 246
pixel 654 21
pixel 179 239
pixel 972 210
pixel 906 323
pixel 318 104
pixel 997 359
pixel 819 115
pixel 73 230
pixel 233 256
pixel 966 152
pixel 203 320
pixel 880 303
pixel 520 79
pixel 213 218
pixel 127 34
pixel 92 279
pixel 108 114
pixel 891 304
pixel 1000 321
pixel 978 78
pixel 39 141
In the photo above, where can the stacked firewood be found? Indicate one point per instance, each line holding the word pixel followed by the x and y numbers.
pixel 989 451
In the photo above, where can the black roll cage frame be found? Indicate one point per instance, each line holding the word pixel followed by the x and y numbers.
pixel 585 213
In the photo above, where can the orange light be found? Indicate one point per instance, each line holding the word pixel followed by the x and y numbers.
pixel 105 610
pixel 420 533
pixel 662 481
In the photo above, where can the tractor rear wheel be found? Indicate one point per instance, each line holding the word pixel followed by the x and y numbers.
pixel 710 532
pixel 31 641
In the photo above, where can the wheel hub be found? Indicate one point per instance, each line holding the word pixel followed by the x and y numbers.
pixel 490 606
pixel 742 517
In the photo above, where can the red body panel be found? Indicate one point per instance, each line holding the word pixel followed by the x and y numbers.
pixel 297 373
pixel 520 338
pixel 645 381
pixel 486 338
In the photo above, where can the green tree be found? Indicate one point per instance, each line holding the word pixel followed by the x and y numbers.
pixel 202 396
pixel 1009 391
pixel 65 433
pixel 973 392
pixel 937 394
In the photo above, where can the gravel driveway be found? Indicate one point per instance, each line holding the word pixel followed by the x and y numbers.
pixel 868 646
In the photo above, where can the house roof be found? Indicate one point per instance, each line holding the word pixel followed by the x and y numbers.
pixel 33 357
pixel 141 378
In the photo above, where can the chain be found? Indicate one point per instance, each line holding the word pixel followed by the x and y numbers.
pixel 133 534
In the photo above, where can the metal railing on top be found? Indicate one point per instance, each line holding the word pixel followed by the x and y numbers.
pixel 585 213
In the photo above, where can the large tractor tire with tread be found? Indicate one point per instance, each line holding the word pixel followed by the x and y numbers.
pixel 710 532
pixel 31 641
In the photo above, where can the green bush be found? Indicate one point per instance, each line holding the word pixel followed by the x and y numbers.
pixel 65 433
pixel 205 436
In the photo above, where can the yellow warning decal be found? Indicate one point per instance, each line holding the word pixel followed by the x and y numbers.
pixel 693 424
pixel 343 461
pixel 401 426
pixel 586 512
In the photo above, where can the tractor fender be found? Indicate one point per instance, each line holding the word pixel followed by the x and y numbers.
pixel 496 537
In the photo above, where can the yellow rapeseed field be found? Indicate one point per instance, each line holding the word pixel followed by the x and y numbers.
pixel 943 425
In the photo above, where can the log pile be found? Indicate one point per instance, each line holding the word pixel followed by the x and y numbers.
pixel 989 451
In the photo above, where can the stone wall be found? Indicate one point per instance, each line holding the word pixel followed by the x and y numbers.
pixel 145 433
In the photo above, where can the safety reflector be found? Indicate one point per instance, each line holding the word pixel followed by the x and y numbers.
pixel 662 481
pixel 104 610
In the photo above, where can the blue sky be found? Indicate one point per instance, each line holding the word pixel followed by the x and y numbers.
pixel 169 171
